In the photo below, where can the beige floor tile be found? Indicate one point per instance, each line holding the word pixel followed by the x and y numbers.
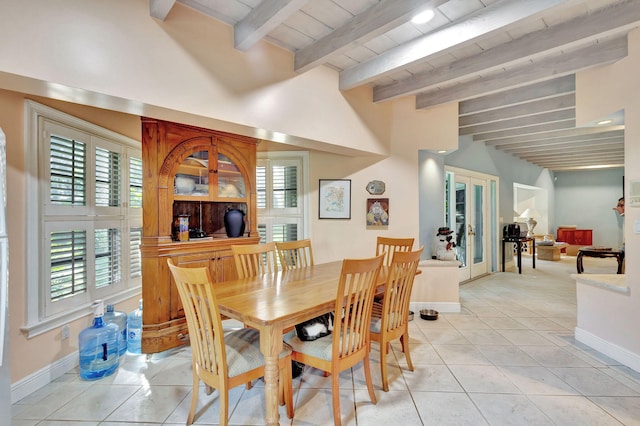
pixel 150 404
pixel 572 410
pixel 483 378
pixel 507 355
pixel 516 410
pixel 461 354
pixel 447 409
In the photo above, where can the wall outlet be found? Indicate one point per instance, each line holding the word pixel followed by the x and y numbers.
pixel 65 332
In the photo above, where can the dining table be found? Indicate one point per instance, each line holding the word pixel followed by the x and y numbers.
pixel 274 302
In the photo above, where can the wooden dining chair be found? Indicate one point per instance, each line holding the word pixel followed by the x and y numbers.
pixel 390 318
pixel 389 246
pixel 295 254
pixel 255 259
pixel 349 342
pixel 222 361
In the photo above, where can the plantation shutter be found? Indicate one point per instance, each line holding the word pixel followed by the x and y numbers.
pixel 67 159
pixel 68 264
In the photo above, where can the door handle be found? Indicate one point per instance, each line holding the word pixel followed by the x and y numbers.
pixel 470 231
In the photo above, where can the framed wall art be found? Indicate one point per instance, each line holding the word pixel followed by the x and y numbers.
pixel 377 213
pixel 335 199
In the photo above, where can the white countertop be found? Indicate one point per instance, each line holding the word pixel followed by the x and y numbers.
pixel 614 282
pixel 439 263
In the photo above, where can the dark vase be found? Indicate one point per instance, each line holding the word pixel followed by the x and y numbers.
pixel 234 223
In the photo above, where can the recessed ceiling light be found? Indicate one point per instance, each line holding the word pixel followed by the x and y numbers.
pixel 603 122
pixel 423 17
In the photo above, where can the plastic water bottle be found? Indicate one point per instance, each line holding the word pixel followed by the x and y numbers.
pixel 119 318
pixel 134 330
pixel 98 347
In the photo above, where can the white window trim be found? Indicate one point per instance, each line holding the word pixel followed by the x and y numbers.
pixel 35 323
pixel 303 194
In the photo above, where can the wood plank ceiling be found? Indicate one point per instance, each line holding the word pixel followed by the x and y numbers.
pixel 510 64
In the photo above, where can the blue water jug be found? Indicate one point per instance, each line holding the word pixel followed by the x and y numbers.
pixel 119 318
pixel 98 347
pixel 134 330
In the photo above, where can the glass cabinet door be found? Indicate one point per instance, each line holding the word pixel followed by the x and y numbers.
pixel 230 180
pixel 192 177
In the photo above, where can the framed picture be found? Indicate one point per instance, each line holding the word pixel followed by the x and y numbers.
pixel 335 199
pixel 377 213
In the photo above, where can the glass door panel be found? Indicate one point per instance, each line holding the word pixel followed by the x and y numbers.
pixel 230 180
pixel 478 225
pixel 192 177
pixel 461 222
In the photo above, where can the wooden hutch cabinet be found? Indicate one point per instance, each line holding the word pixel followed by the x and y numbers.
pixel 195 174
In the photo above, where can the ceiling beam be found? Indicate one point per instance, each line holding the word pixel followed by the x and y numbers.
pixel 583 152
pixel 528 130
pixel 159 9
pixel 588 159
pixel 557 103
pixel 562 147
pixel 263 19
pixel 377 20
pixel 618 18
pixel 590 167
pixel 548 88
pixel 520 122
pixel 598 54
pixel 580 131
pixel 481 23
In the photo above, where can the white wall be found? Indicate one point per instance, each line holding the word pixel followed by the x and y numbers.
pixel 586 199
pixel 600 92
pixel 187 64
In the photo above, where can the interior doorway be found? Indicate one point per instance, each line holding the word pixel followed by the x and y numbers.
pixel 531 202
pixel 471 211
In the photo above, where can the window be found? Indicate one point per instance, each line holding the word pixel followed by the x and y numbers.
pixel 84 191
pixel 282 196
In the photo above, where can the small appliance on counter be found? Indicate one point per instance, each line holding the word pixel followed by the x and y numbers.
pixel 197 233
pixel 511 230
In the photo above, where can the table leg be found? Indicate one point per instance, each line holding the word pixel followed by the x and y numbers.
pixel 579 266
pixel 271 346
pixel 503 256
pixel 533 249
pixel 620 258
pixel 519 257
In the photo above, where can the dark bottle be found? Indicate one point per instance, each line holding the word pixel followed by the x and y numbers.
pixel 234 223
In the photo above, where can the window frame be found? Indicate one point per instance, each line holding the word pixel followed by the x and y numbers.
pixel 270 216
pixel 43 216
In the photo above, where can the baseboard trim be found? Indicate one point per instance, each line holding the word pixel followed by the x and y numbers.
pixel 438 306
pixel 618 353
pixel 43 377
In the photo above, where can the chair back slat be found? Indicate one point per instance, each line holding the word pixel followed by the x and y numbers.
pixel 255 259
pixel 295 254
pixel 356 289
pixel 389 246
pixel 397 295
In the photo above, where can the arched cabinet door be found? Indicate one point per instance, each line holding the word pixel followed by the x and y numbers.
pixel 209 175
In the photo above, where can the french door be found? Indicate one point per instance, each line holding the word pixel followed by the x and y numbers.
pixel 469 214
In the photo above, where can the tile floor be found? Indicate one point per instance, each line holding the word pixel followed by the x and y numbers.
pixel 508 358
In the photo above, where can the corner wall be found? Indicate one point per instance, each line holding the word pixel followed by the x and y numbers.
pixel 600 92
